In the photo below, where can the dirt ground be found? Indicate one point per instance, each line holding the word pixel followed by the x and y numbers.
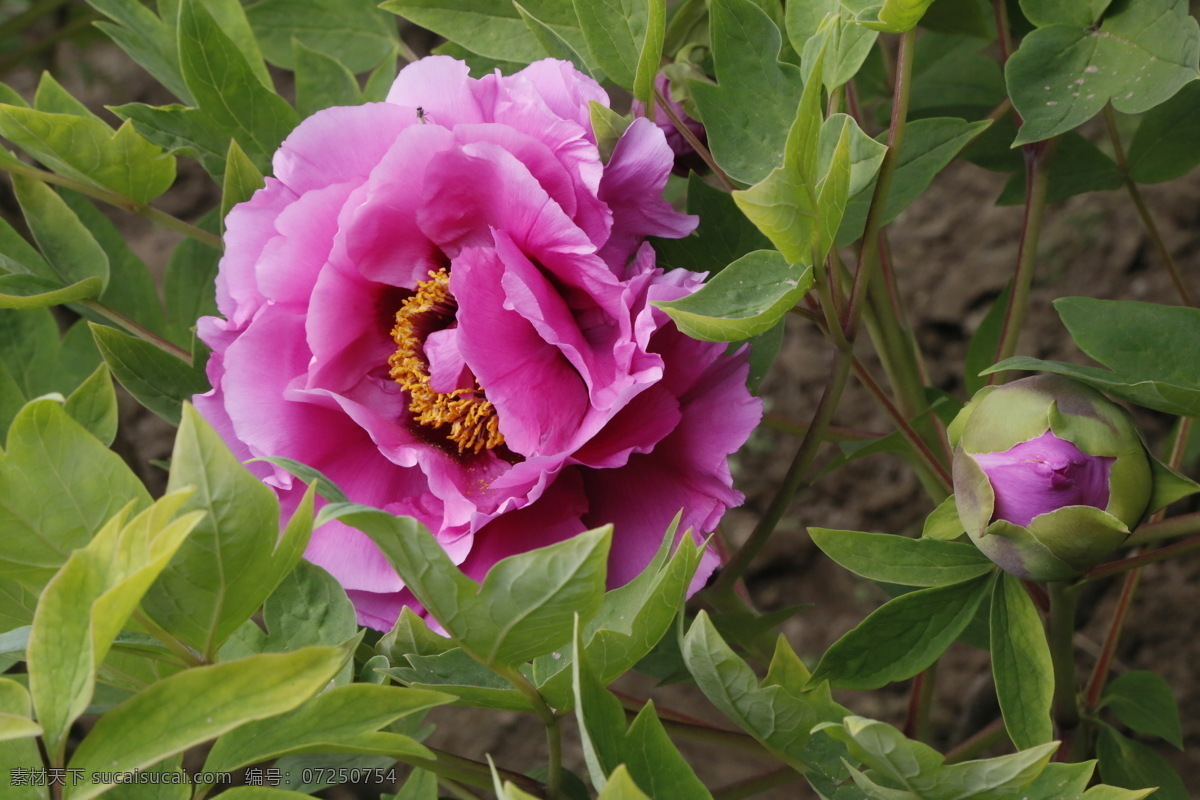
pixel 953 252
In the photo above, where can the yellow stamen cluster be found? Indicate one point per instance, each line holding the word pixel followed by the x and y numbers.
pixel 472 418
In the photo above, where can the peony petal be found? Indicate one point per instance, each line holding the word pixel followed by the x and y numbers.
pixel 633 187
pixel 339 145
pixel 441 87
pixel 1044 474
pixel 291 262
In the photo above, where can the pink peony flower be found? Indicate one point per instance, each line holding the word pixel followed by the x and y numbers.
pixel 1044 474
pixel 442 302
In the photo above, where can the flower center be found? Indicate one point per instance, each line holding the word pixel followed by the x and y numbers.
pixel 470 416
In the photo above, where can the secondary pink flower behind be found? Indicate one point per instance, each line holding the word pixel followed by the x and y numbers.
pixel 442 302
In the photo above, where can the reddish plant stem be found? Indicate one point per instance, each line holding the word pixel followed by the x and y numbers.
pixel 702 151
pixel 1141 560
pixel 1099 675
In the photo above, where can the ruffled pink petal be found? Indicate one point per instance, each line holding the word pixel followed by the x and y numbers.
pixel 442 87
pixel 380 610
pixel 248 229
pixel 447 369
pixel 539 397
pixel 339 145
pixel 291 262
pixel 633 186
pixel 563 90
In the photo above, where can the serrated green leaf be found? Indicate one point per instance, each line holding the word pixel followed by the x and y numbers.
pixel 899 559
pixel 631 620
pixel 84 606
pixel 160 381
pixel 492 28
pixel 1167 143
pixel 321 81
pixel 508 619
pixel 1021 664
pixel 87 150
pixel 226 87
pixel 182 130
pixel 772 714
pixel 902 637
pixel 51 455
pixel 745 299
pixel 70 250
pixel 354 32
pixel 1140 55
pixel 1144 701
pixel 235 558
pixel 1129 764
pixel 749 113
pixel 166 718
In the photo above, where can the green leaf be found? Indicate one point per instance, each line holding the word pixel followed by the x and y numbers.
pixel 1149 350
pixel 620 786
pixel 322 81
pixel 456 673
pixel 71 252
pixel 1169 486
pixel 749 113
pixel 631 620
pixel 508 619
pixel 1080 13
pixel 325 487
pixel 772 714
pixel 160 381
pixel 51 455
pixel 309 607
pixel 421 785
pixel 236 557
pixel 645 749
pixel 1132 765
pixel 828 27
pixel 550 40
pixel 1144 701
pixel 16 712
pixel 1021 664
pixel 87 150
pixel 920 769
pixel 189 290
pixel 242 179
pixel 331 719
pixel 354 32
pixel 85 604
pixel 93 405
pixel 1061 781
pixel 146 38
pixel 492 28
pixel 1167 143
pixel 227 89
pixel 899 559
pixel 165 718
pixel 896 16
pixel 745 299
pixel 617 33
pixel 943 524
pixel 1140 55
pixel 724 234
pixel 928 146
pixel 20 753
pixel 130 290
pixel 182 130
pixel 902 637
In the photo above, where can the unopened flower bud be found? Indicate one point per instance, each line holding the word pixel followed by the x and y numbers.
pixel 1049 476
